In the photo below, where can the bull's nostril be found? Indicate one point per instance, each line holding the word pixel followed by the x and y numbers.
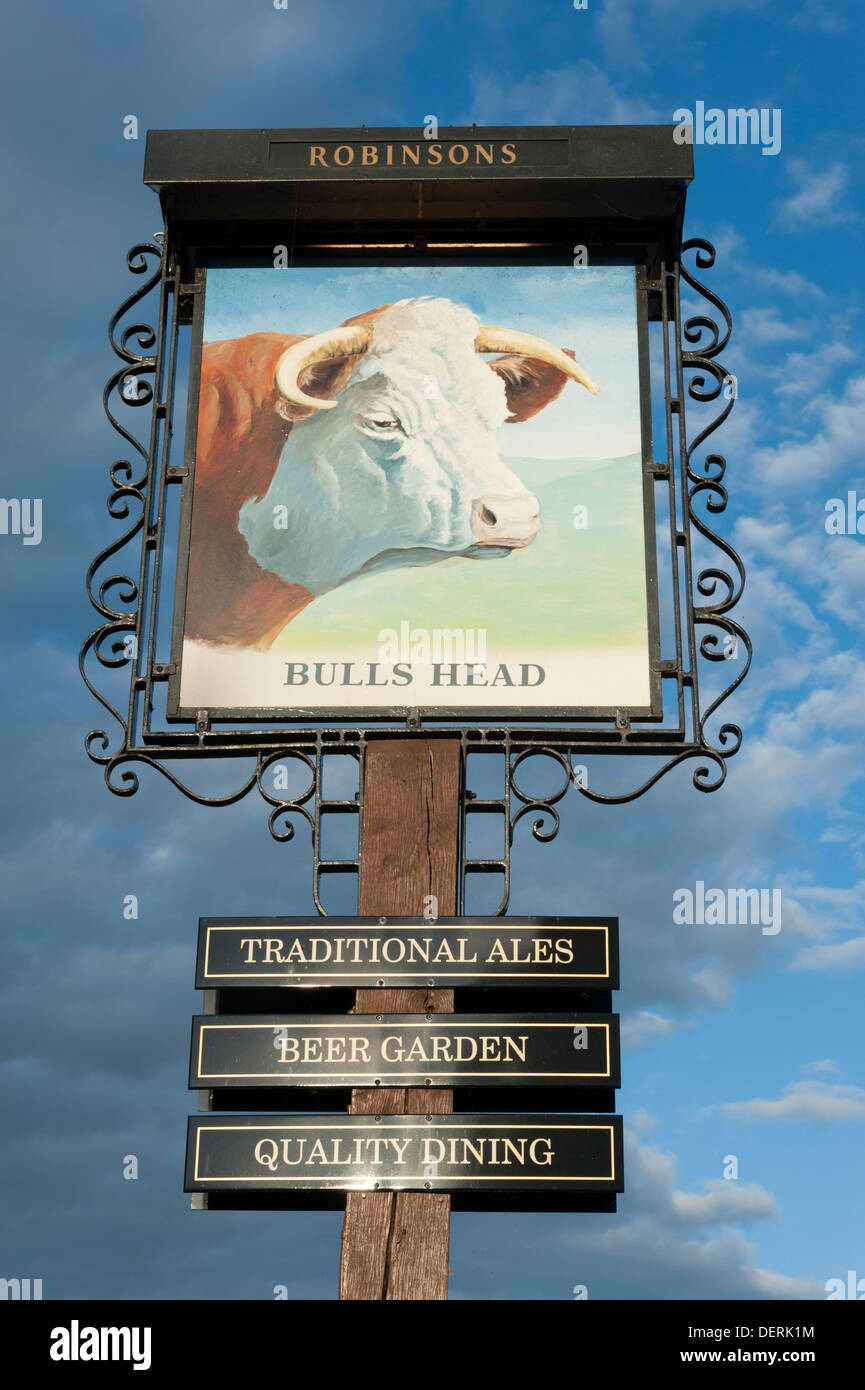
pixel 488 518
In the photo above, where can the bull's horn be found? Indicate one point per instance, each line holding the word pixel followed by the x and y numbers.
pixel 527 345
pixel 320 347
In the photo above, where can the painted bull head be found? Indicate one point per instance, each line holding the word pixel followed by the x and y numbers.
pixel 387 457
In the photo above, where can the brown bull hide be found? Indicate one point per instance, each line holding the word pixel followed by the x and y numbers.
pixel 241 434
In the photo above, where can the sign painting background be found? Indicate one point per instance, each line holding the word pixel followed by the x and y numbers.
pixel 560 623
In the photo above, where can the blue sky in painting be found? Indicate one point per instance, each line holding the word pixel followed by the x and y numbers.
pixel 739 1043
pixel 593 314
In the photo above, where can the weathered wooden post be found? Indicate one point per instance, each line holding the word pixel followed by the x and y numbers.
pixel 396 1245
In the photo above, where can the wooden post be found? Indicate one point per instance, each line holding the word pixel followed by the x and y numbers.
pixel 396 1245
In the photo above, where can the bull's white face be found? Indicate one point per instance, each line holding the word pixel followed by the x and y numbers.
pixel 405 469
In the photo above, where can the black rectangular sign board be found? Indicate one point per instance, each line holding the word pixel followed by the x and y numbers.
pixel 405 1050
pixel 565 952
pixel 440 1153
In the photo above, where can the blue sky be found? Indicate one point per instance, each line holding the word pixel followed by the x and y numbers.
pixel 739 1043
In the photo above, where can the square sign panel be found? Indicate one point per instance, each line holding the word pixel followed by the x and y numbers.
pixel 417 488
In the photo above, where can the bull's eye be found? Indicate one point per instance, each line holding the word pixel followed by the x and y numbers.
pixel 382 422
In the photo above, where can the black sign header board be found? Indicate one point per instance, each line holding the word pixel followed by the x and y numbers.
pixel 572 952
pixel 473 176
pixel 405 1050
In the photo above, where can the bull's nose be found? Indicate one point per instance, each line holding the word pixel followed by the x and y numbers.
pixel 510 521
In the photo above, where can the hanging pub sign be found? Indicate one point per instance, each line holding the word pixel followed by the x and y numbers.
pixel 410 456
pixel 411 463
pixel 373 952
pixel 417 475
pixel 405 1050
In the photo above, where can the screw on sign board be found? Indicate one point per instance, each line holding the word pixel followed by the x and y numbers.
pixel 539 1160
pixel 419 513
pixel 405 1050
pixel 387 952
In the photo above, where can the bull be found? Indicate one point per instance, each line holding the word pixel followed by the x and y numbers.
pixel 365 447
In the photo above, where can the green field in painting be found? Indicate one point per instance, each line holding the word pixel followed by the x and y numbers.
pixel 570 589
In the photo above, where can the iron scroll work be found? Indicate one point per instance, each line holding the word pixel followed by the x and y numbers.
pixel 131 644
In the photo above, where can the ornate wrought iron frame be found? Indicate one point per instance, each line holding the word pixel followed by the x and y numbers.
pixel 131 634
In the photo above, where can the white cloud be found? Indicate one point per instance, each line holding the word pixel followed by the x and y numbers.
pixel 820 1068
pixel 645 1027
pixel 736 437
pixel 842 832
pixel 788 281
pixel 817 920
pixel 833 705
pixel 733 254
pixel 616 25
pixel 713 985
pixel 791 640
pixel 665 1243
pixel 767 326
pixel 809 370
pixel 815 1101
pixel 631 29
pixel 837 441
pixel 831 567
pixel 642 1122
pixel 819 197
pixel 723 1201
pixel 742 837
pixel 730 246
pixel 579 93
pixel 846 955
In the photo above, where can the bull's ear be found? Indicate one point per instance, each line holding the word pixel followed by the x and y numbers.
pixel 325 379
pixel 529 384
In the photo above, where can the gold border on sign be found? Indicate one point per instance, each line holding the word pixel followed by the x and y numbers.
pixel 442 1021
pixel 414 1177
pixel 421 974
